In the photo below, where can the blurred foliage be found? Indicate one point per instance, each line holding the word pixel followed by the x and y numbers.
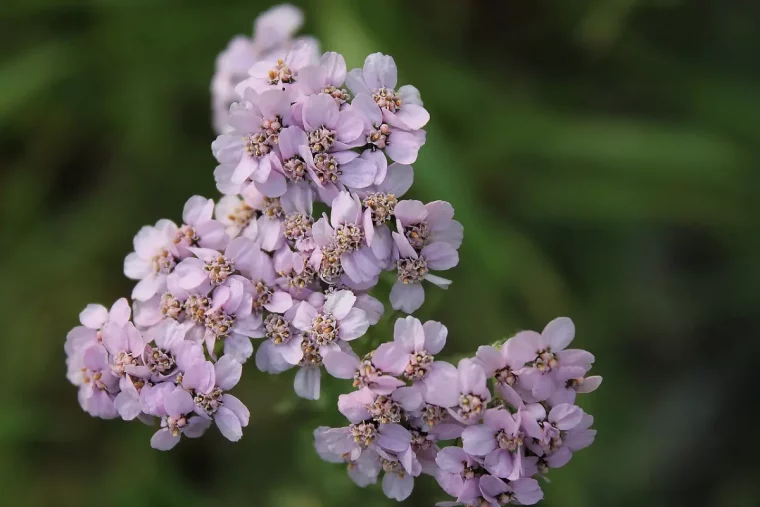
pixel 602 155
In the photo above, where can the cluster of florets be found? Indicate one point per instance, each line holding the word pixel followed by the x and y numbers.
pixel 486 429
pixel 259 265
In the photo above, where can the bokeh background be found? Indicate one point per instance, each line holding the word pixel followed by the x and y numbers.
pixel 602 156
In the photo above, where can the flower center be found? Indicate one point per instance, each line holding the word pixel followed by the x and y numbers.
pixel 186 235
pixel 348 238
pixel 392 467
pixel 470 406
pixel 163 262
pixel 262 295
pixel 120 362
pixel 506 376
pixel 417 234
pixel 419 365
pixel 256 145
pixel 386 411
pixel 412 270
pixel 321 140
pixel 367 370
pixel 219 323
pixel 469 472
pixel 330 268
pixel 242 215
pixel 272 207
pixel 277 329
pixel 299 280
pixel 420 441
pixel 170 306
pixel 209 402
pixel 175 424
pixel 280 73
pixel 324 329
pixel 196 307
pixel 94 377
pixel 552 437
pixel 326 168
pixel 388 99
pixel 364 433
pixel 219 269
pixel 379 136
pixel 340 95
pixel 161 361
pixel 546 360
pixel 311 355
pixel 272 129
pixel 381 206
pixel 297 226
pixel 433 415
pixel 509 442
pixel 506 498
pixel 295 168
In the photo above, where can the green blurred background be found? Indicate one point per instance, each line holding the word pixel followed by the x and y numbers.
pixel 602 156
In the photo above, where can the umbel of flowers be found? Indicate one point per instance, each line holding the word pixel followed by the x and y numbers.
pixel 259 266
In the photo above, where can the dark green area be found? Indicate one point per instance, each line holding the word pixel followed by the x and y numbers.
pixel 602 156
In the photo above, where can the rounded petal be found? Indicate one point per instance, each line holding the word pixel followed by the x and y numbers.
pixel 398 486
pixel 228 424
pixel 479 440
pixel 306 383
pixel 340 364
pixel 559 333
pixel 435 336
pixel 164 440
pixel 407 297
pixel 228 371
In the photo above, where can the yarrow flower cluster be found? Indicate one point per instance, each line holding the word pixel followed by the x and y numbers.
pixel 259 266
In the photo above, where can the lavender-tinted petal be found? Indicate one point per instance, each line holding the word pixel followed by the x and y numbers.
pixel 164 440
pixel 527 491
pixel 354 325
pixel 239 347
pixel 402 147
pixel 435 336
pixel 380 71
pixel 559 333
pixel 354 405
pixel 441 385
pixel 398 486
pixel 409 333
pixel 479 440
pixel 407 297
pixel 306 383
pixel 440 256
pixel 566 416
pixel 393 437
pixel 228 371
pixel 499 463
pixel 590 384
pixel 340 364
pixel 228 424
pixel 391 358
pixel 178 402
pixel 196 427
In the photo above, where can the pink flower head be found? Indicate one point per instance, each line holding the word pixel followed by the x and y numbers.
pixel 326 77
pixel 401 146
pixel 425 224
pixel 547 431
pixel 549 355
pixel 209 383
pixel 272 38
pixel 505 362
pixel 408 294
pixel 342 245
pixel 199 228
pixel 522 491
pixel 458 471
pixel 279 74
pixel 363 471
pixel 93 319
pixel 249 147
pixel 90 370
pixel 415 345
pixel 499 441
pixel 175 406
pixel 211 268
pixel 378 79
pixel 297 208
pixel 237 216
pixel 473 395
pixel 154 258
